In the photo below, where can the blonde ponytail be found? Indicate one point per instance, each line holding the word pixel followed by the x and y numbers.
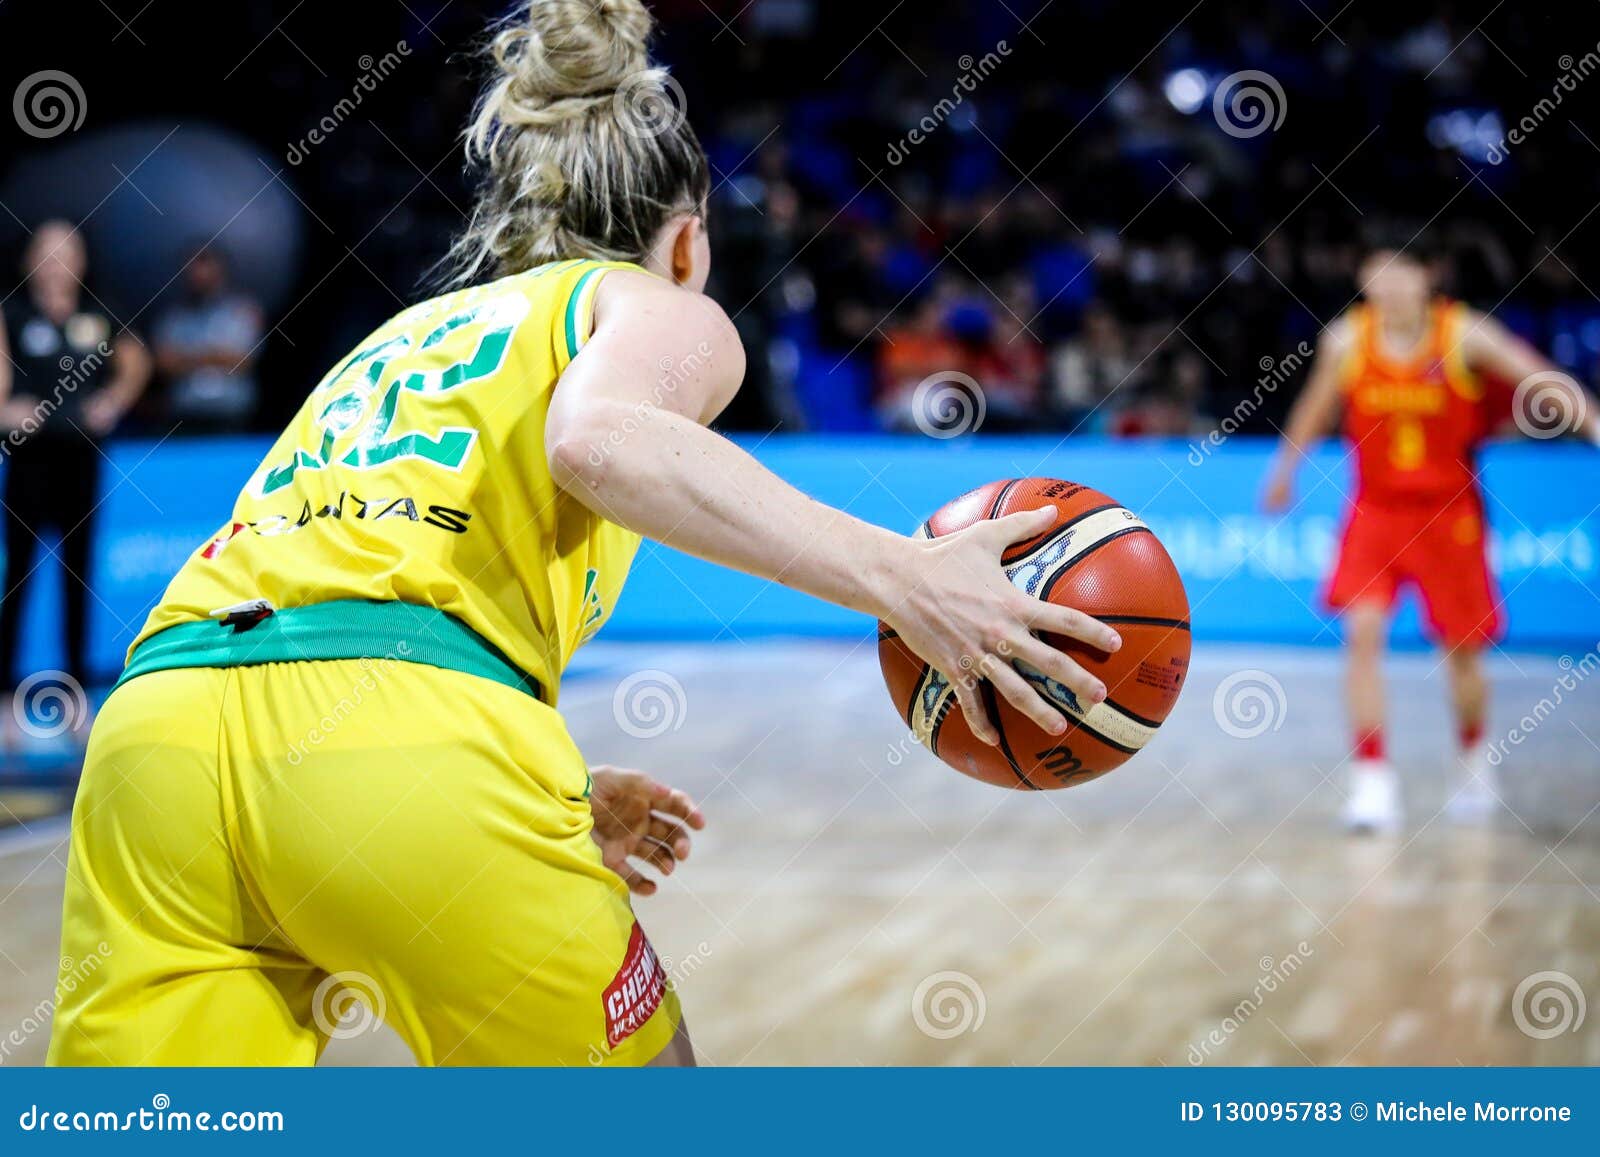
pixel 583 147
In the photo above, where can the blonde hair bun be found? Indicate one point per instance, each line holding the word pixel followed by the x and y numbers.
pixel 576 51
pixel 583 144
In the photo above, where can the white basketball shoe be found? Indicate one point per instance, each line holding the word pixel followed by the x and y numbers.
pixel 1374 804
pixel 1478 796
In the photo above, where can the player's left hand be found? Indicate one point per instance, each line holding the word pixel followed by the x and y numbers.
pixel 636 818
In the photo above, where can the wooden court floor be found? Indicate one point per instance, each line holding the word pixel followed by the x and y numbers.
pixel 854 902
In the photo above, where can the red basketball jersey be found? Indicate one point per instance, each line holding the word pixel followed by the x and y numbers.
pixel 1416 421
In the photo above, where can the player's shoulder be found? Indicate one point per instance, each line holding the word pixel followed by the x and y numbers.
pixel 1472 331
pixel 635 294
pixel 1341 334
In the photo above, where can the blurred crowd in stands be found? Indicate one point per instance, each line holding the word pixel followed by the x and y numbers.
pixel 1048 197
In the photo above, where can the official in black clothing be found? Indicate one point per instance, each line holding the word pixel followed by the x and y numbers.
pixel 68 375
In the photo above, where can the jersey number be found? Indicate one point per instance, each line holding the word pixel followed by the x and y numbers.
pixel 359 406
pixel 1408 446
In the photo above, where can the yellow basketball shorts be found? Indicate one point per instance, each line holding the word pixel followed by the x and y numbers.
pixel 265 857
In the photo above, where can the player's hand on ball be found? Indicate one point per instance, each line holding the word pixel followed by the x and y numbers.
pixel 965 618
pixel 638 819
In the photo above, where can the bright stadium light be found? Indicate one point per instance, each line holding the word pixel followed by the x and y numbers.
pixel 1186 90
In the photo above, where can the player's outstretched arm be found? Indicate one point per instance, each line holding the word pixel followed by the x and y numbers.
pixel 1489 346
pixel 1313 415
pixel 625 436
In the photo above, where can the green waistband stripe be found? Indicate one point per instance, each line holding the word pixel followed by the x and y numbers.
pixel 339 629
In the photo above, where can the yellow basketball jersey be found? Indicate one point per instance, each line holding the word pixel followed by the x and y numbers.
pixel 416 472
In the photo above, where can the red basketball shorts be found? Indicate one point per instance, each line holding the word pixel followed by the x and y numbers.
pixel 1442 552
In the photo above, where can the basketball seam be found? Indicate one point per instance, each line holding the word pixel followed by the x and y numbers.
pixel 991 704
pixel 938 722
pixel 1144 621
pixel 1060 571
pixel 1133 715
pixel 916 693
pixel 1084 725
pixel 1064 527
pixel 999 499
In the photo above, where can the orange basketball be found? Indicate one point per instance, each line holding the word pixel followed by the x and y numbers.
pixel 1100 558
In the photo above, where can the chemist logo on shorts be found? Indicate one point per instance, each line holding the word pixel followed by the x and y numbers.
pixel 634 995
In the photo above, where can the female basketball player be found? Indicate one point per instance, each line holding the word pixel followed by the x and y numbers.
pixel 334 756
pixel 1406 370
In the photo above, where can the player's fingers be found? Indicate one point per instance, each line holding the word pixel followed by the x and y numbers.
pixel 1026 698
pixel 1019 527
pixel 972 707
pixel 638 883
pixel 677 803
pixel 1074 624
pixel 1060 668
pixel 660 856
pixel 671 834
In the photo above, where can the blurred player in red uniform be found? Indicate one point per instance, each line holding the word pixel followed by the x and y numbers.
pixel 1408 370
